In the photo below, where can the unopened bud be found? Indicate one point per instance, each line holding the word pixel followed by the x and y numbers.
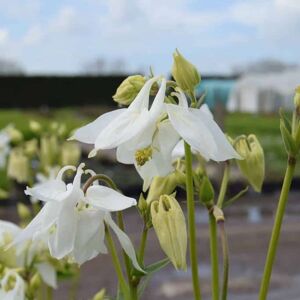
pixel 165 185
pixel 185 73
pixel 100 295
pixel 169 224
pixel 252 165
pixel 207 193
pixel 35 282
pixel 129 89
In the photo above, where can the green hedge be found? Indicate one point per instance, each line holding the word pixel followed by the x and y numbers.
pixel 57 91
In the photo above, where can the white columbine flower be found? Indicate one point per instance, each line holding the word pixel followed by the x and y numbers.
pixel 4 147
pixel 198 128
pixel 137 134
pixel 12 286
pixel 74 222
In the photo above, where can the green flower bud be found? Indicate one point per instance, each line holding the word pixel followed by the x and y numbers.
pixel 297 98
pixel 185 73
pixel 169 224
pixel 18 166
pixel 128 89
pixel 207 193
pixel 35 126
pixel 70 153
pixel 35 282
pixel 253 164
pixel 165 185
pixel 100 295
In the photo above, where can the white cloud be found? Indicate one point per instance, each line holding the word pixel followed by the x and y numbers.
pixel 20 9
pixel 3 35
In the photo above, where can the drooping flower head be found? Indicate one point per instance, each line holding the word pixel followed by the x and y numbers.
pixel 73 221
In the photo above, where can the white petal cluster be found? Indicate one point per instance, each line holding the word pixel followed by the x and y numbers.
pixel 73 222
pixel 146 137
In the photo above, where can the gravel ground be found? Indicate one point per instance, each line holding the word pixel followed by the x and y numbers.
pixel 248 224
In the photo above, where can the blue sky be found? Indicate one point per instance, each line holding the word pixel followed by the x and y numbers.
pixel 62 36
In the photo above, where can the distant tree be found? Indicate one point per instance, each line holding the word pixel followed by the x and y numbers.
pixel 9 67
pixel 264 66
pixel 100 66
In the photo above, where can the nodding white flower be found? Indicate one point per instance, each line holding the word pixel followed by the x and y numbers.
pixel 136 133
pixel 4 147
pixel 198 128
pixel 12 286
pixel 24 254
pixel 73 221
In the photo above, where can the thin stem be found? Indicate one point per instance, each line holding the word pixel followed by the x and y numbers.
pixel 107 180
pixel 143 245
pixel 125 256
pixel 224 185
pixel 191 221
pixel 116 262
pixel 49 293
pixel 225 251
pixel 264 288
pixel 214 257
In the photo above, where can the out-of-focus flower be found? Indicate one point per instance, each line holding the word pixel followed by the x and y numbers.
pixel 70 153
pixel 25 253
pixel 198 128
pixel 169 224
pixel 35 126
pixel 49 151
pixel 15 135
pixel 4 147
pixel 18 166
pixel 31 147
pixel 253 164
pixel 72 222
pixel 185 73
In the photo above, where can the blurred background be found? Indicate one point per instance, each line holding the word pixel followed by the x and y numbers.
pixel 61 62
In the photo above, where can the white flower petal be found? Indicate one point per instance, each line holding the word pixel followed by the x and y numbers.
pixel 18 291
pixel 157 106
pixel 141 101
pixel 124 241
pixel 90 236
pixel 88 133
pixel 192 129
pixel 51 190
pixel 108 199
pixel 48 274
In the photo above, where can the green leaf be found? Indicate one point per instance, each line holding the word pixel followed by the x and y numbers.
pixel 151 270
pixel 288 140
pixel 285 119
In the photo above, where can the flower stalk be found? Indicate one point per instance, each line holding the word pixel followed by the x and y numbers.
pixel 192 222
pixel 264 288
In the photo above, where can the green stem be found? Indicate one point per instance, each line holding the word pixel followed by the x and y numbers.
pixel 116 263
pixel 143 245
pixel 277 229
pixel 125 256
pixel 214 257
pixel 225 259
pixel 49 293
pixel 191 221
pixel 224 185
